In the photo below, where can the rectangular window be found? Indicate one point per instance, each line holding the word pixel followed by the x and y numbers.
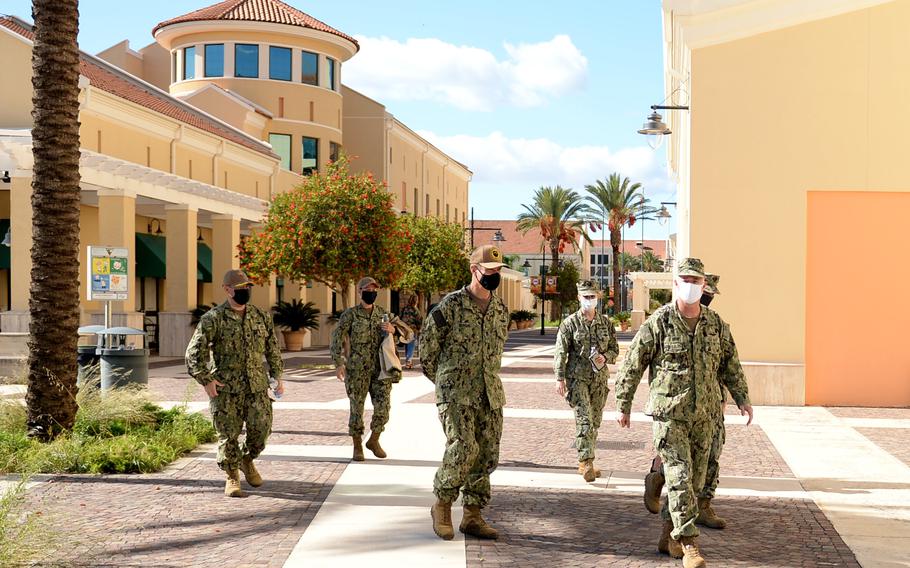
pixel 334 151
pixel 310 155
pixel 593 261
pixel 280 63
pixel 447 212
pixel 174 69
pixel 281 145
pixel 214 60
pixel 246 60
pixel 426 205
pixel 437 209
pixel 416 203
pixel 331 63
pixel 189 63
pixel 404 195
pixel 310 68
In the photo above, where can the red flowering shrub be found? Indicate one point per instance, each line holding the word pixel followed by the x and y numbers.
pixel 334 228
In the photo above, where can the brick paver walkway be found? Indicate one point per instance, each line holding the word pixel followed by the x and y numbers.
pixel 547 515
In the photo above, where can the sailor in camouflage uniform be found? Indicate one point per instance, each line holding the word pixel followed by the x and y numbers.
pixel 654 480
pixel 687 348
pixel 585 344
pixel 461 349
pixel 240 338
pixel 355 350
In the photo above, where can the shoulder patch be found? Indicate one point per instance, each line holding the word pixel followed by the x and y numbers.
pixel 439 318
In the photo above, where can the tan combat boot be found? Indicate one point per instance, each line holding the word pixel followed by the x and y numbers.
pixel 692 558
pixel 597 472
pixel 358 449
pixel 707 517
pixel 586 469
pixel 373 445
pixel 232 485
pixel 473 524
pixel 249 472
pixel 654 484
pixel 666 544
pixel 441 513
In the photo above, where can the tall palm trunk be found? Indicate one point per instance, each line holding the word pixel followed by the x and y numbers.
pixel 54 292
pixel 615 243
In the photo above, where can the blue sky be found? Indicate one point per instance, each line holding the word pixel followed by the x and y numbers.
pixel 526 93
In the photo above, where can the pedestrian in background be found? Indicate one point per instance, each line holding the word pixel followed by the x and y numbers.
pixel 227 356
pixel 411 316
pixel 585 344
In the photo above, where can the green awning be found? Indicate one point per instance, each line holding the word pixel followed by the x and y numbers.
pixel 151 256
pixel 4 250
pixel 203 262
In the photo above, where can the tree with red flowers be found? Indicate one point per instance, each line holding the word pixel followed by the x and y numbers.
pixel 334 228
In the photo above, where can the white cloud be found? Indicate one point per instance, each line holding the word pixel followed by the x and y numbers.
pixel 466 77
pixel 497 160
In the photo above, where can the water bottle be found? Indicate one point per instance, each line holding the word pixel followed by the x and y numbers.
pixel 273 383
pixel 385 319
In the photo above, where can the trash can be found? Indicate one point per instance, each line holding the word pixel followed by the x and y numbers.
pixel 122 363
pixel 87 351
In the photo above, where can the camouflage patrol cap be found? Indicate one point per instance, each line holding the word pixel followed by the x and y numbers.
pixel 236 279
pixel 587 287
pixel 692 267
pixel 366 281
pixel 711 281
pixel 487 256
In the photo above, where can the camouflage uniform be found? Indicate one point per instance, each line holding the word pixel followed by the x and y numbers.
pixel 461 351
pixel 684 397
pixel 586 388
pixel 239 342
pixel 355 346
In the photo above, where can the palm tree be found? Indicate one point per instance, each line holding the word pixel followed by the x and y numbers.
pixel 54 293
pixel 620 203
pixel 652 262
pixel 560 215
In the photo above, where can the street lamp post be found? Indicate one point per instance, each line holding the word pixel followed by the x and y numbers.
pixel 497 236
pixel 543 286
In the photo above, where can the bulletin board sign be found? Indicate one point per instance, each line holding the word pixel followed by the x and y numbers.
pixel 108 273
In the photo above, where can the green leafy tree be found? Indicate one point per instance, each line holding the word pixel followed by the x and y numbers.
pixel 620 203
pixel 437 260
pixel 334 228
pixel 560 215
pixel 54 292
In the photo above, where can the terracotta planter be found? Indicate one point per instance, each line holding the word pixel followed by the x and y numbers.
pixel 624 326
pixel 293 340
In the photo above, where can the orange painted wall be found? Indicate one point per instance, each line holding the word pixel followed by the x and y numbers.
pixel 857 350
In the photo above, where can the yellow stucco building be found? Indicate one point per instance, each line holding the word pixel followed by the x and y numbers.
pixel 185 141
pixel 793 187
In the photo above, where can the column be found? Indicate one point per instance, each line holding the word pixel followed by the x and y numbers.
pixel 117 228
pixel 181 282
pixel 639 300
pixel 20 205
pixel 225 240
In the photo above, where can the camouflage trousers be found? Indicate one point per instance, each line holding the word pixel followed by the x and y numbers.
pixel 587 399
pixel 230 412
pixel 357 387
pixel 472 452
pixel 684 449
pixel 712 475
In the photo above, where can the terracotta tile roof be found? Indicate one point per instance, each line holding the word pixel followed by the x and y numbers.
pixel 109 78
pixel 628 246
pixel 516 242
pixel 269 11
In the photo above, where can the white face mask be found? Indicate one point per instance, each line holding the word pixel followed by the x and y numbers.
pixel 688 292
pixel 588 305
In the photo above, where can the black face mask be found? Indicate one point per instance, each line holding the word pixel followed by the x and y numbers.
pixel 369 298
pixel 490 281
pixel 706 299
pixel 241 296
